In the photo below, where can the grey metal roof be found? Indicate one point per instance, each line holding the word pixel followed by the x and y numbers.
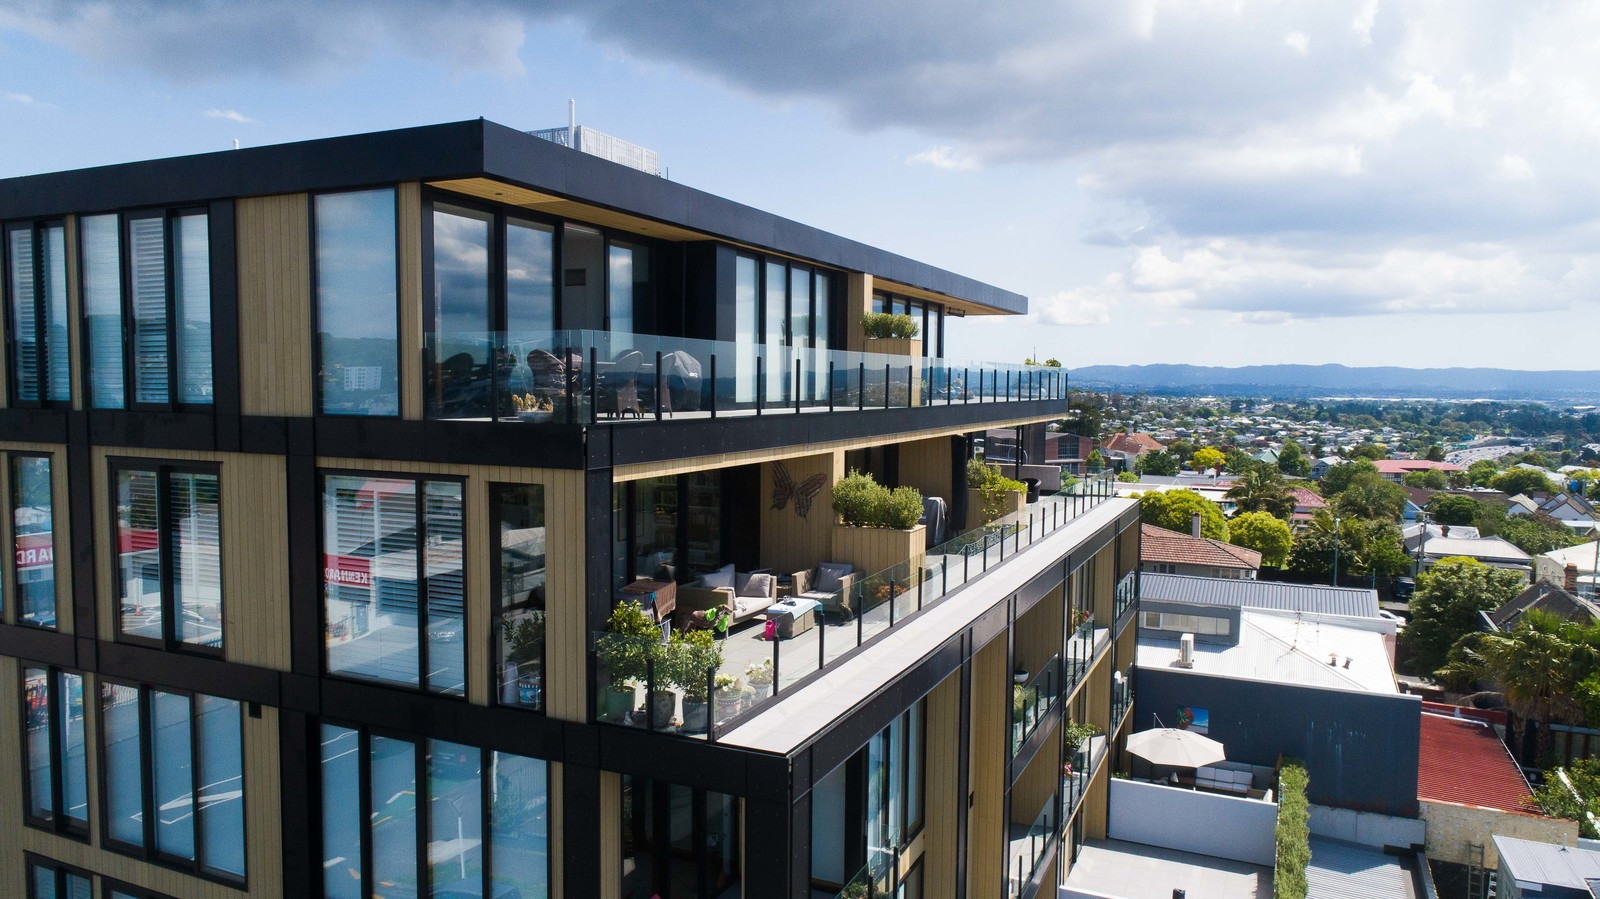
pixel 1343 871
pixel 1248 594
pixel 1547 864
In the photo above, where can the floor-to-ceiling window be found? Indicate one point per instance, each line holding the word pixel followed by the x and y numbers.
pixel 866 812
pixel 668 528
pixel 36 302
pixel 679 842
pixel 518 569
pixel 358 312
pixel 168 528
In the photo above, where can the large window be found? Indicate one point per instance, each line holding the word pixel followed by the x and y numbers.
pixel 483 816
pixel 358 312
pixel 670 528
pixel 173 768
pixel 394 599
pixel 169 555
pixel 678 842
pixel 30 503
pixel 785 309
pixel 48 879
pixel 866 812
pixel 519 573
pixel 36 304
pixel 147 306
pixel 57 779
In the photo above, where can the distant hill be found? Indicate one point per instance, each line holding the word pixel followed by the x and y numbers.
pixel 1341 380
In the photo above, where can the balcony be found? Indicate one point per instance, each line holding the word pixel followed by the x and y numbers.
pixel 1081 768
pixel 742 676
pixel 588 377
pixel 1029 847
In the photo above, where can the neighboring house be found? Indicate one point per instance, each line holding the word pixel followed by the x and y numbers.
pixel 1416 501
pixel 1544 868
pixel 1169 552
pixel 1129 447
pixel 1495 552
pixel 1469 789
pixel 1413 533
pixel 1521 504
pixel 1306 504
pixel 1546 596
pixel 1320 468
pixel 1070 451
pixel 1570 509
pixel 1269 456
pixel 1396 469
pixel 1583 563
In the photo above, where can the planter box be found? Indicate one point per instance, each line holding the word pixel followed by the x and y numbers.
pixel 871 550
pixel 1014 502
pixel 911 348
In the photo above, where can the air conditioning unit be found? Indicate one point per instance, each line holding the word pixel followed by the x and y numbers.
pixel 1186 651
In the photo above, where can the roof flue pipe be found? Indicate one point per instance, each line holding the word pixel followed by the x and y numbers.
pixel 1194 525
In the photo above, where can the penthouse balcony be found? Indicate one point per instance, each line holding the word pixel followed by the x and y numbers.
pixel 588 377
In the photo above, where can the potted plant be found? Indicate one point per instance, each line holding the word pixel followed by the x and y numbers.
pixel 759 674
pixel 631 641
pixel 991 494
pixel 876 528
pixel 1074 735
pixel 524 645
pixel 730 696
pixel 693 656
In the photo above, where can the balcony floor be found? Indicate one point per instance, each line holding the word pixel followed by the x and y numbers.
pixel 1113 868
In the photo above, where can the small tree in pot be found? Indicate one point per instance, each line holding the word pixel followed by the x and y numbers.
pixel 694 656
pixel 630 643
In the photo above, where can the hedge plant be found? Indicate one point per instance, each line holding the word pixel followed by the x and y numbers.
pixel 862 502
pixel 1293 832
pixel 882 324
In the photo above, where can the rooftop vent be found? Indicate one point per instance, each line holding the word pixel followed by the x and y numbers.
pixel 1186 651
pixel 598 143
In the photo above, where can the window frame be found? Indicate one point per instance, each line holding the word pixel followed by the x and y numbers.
pixel 497 611
pixel 148 851
pixel 418 529
pixel 108 885
pixel 162 469
pixel 10 592
pixel 57 823
pixel 32 860
pixel 316 298
pixel 36 229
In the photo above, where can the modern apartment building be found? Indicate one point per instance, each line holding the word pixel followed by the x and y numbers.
pixel 404 514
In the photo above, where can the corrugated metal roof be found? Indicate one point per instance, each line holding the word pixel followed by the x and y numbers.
pixel 1343 871
pixel 1450 746
pixel 1495 548
pixel 1246 594
pixel 1547 864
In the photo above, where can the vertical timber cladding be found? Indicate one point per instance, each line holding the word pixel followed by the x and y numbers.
pixel 60 530
pixel 790 542
pixel 858 302
pixel 408 226
pixel 991 718
pixel 1038 634
pixel 566 630
pixel 1104 586
pixel 255 549
pixel 275 299
pixel 925 465
pixel 942 802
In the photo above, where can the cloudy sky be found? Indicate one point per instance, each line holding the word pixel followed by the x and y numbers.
pixel 1198 181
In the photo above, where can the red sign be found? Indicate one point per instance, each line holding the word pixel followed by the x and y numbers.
pixel 346 570
pixel 34 551
pixel 132 540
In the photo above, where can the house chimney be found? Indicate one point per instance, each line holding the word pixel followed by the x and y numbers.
pixel 1444 530
pixel 1569 582
pixel 1194 525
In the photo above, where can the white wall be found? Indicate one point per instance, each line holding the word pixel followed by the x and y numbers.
pixel 1366 828
pixel 1191 821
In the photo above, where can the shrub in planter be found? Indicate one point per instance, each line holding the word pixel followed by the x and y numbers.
pixel 630 643
pixel 1293 832
pixel 692 656
pixel 861 502
pixel 994 487
pixel 900 508
pixel 730 696
pixel 759 674
pixel 881 325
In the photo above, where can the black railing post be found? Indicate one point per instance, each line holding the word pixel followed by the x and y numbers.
pixel 966 385
pixel 891 602
pixel 885 385
pixel 830 385
pixel 713 385
pixel 796 385
pixel 711 704
pixel 777 658
pixel 861 387
pixel 650 694
pixel 822 638
pixel 761 383
pixel 922 575
pixel 911 377
pixel 861 615
pixel 594 389
pixel 659 384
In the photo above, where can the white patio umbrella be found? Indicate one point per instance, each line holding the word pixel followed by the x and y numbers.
pixel 1176 748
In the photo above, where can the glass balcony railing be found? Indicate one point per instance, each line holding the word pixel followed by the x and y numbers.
pixel 581 377
pixel 1028 846
pixel 1031 699
pixel 1082 764
pixel 659 685
pixel 1127 591
pixel 871 882
pixel 1121 697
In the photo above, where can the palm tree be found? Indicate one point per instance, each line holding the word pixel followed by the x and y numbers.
pixel 1263 489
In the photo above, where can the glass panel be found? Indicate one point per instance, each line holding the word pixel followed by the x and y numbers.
pixel 722 844
pixel 77 886
pixel 776 336
pixel 461 308
pixel 519 826
pixel 193 528
pixel 447 601
pixel 357 303
pixel 455 817
pixel 74 761
pixel 101 268
pixel 192 292
pixel 341 813
pixel 530 287
pixel 820 335
pixel 147 258
pixel 681 877
pixel 44 882
pixel 914 749
pixel 619 289
pixel 800 327
pixel 582 278
pixel 704 526
pixel 119 715
pixel 932 341
pixel 36 696
pixel 369 538
pixel 895 775
pixel 221 784
pixel 880 303
pixel 171 761
pixel 394 817
pixel 24 300
pixel 138 555
pixel 877 817
pixel 519 566
pixel 58 376
pixel 746 327
pixel 655 526
pixel 638 839
pixel 33 540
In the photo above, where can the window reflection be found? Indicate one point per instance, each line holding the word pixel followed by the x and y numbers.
pixel 33 540
pixel 357 303
pixel 519 567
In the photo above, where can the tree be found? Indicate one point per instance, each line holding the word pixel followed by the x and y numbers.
pixel 1525 481
pixel 1435 453
pixel 1291 460
pixel 1263 489
pixel 1340 476
pixel 1432 479
pixel 1238 461
pixel 1537 534
pixel 1447 602
pixel 1096 461
pixel 1208 459
pixel 1180 450
pixel 1370 496
pixel 1481 472
pixel 1454 509
pixel 1174 509
pixel 1128 477
pixel 1372 452
pixel 1363 548
pixel 1159 463
pixel 1264 533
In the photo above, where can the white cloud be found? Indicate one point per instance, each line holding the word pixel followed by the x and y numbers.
pixel 19 98
pixel 1076 308
pixel 1516 167
pixel 232 115
pixel 1298 42
pixel 944 157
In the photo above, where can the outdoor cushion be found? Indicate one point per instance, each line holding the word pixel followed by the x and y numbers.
pixel 722 578
pixel 757 585
pixel 828 577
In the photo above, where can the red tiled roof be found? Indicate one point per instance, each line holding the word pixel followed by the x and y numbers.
pixel 1463 762
pixel 1162 545
pixel 1134 443
pixel 1401 466
pixel 1307 499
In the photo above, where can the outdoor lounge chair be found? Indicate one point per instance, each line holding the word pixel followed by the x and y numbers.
pixel 831 584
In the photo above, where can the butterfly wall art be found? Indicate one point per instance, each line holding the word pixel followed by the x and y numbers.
pixel 783 489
